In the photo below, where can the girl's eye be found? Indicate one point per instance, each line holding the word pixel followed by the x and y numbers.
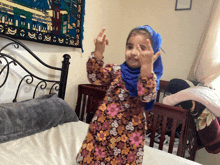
pixel 143 48
pixel 129 47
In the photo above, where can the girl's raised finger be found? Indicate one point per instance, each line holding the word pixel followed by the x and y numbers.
pixel 157 55
pixel 149 46
pixel 103 39
pixel 107 42
pixel 101 33
pixel 139 48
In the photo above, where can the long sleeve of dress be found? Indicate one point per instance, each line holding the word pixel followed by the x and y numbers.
pixel 146 88
pixel 99 75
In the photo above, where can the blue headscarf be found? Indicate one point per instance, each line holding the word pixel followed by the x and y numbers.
pixel 130 75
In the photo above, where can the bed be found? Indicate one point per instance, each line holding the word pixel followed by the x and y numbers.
pixel 43 129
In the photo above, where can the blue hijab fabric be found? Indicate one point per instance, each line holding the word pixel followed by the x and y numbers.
pixel 130 75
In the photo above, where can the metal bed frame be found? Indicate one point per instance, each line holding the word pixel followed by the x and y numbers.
pixel 59 86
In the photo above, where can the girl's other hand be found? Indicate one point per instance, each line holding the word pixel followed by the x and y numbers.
pixel 100 43
pixel 147 56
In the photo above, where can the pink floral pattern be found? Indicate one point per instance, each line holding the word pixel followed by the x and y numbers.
pixel 112 109
pixel 99 152
pixel 140 88
pixel 136 138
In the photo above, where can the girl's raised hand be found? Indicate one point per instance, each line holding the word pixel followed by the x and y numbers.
pixel 100 43
pixel 147 56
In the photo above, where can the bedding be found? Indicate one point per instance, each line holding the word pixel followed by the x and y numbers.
pixel 204 95
pixel 60 145
pixel 29 117
pixel 205 108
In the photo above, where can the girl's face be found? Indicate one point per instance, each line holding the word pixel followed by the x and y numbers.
pixel 132 52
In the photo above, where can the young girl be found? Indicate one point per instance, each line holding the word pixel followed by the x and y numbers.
pixel 117 132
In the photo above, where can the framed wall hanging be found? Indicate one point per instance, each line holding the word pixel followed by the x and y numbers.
pixel 183 5
pixel 58 22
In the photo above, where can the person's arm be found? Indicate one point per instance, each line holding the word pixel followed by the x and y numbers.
pixel 146 88
pixel 96 73
pixel 147 84
pixel 100 43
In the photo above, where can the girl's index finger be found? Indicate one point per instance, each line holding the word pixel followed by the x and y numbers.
pixel 149 46
pixel 139 47
pixel 103 39
pixel 101 33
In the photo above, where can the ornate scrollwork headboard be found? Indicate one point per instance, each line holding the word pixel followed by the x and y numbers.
pixel 6 61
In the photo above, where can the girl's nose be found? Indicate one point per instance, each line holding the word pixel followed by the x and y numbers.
pixel 134 52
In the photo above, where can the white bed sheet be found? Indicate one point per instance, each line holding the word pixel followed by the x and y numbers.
pixel 59 146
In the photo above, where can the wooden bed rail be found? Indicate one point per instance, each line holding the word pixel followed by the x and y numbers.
pixel 188 138
pixel 89 98
pixel 178 115
pixel 162 89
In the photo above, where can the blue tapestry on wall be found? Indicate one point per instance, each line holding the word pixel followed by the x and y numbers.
pixel 57 22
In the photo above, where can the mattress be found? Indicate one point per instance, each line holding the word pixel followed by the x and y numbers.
pixel 60 145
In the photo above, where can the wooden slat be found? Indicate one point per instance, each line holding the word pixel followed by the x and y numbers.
pixel 153 130
pixel 78 103
pixel 83 107
pixel 162 138
pixel 181 149
pixel 158 96
pixel 172 138
pixel 89 108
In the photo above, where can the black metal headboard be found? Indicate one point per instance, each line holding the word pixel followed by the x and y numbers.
pixel 59 86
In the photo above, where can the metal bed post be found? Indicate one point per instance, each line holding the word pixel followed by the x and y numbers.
pixel 63 77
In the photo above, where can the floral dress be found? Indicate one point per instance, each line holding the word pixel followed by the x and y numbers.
pixel 116 134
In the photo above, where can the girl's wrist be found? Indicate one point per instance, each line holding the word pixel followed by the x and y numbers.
pixel 148 66
pixel 98 55
pixel 146 70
